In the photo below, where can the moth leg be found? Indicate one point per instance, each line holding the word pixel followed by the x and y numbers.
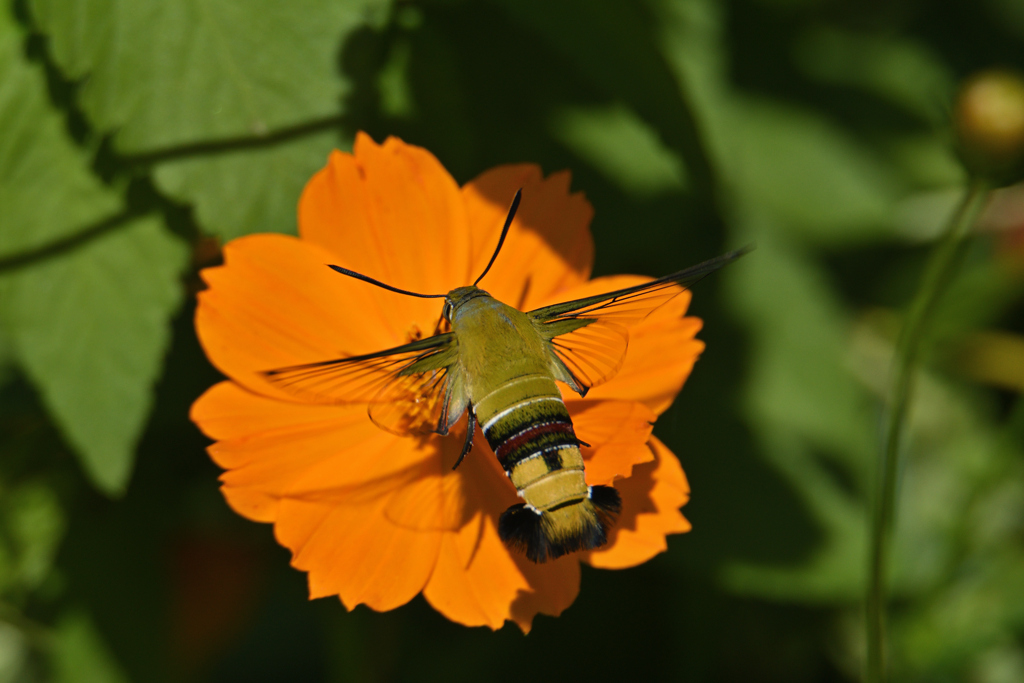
pixel 470 428
pixel 442 422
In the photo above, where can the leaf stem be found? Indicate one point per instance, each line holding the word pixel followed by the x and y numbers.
pixel 232 144
pixel 64 244
pixel 938 272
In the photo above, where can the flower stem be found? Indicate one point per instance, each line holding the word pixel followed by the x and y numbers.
pixel 940 268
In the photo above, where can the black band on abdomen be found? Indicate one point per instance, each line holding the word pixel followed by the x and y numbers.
pixel 541 427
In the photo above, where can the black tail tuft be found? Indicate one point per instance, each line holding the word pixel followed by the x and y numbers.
pixel 580 525
pixel 608 504
pixel 520 529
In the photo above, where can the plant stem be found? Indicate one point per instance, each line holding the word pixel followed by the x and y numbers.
pixel 939 271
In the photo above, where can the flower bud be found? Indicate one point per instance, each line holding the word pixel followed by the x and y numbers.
pixel 990 121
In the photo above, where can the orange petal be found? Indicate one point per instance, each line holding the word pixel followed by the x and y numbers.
pixel 227 411
pixel 485 485
pixel 662 348
pixel 342 537
pixel 273 450
pixel 352 552
pixel 347 450
pixel 251 504
pixel 661 355
pixel 476 580
pixel 391 212
pixel 617 432
pixel 549 247
pixel 440 498
pixel 274 303
pixel 553 587
pixel 651 499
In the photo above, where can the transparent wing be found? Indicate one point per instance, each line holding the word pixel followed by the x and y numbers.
pixel 406 386
pixel 418 404
pixel 592 354
pixel 367 378
pixel 589 336
pixel 632 304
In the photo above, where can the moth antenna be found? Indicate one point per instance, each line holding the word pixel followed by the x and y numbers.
pixel 504 232
pixel 366 278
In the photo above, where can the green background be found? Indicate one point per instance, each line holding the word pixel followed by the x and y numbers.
pixel 132 132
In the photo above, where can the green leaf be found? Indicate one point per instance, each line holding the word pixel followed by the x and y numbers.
pixel 817 375
pixel 89 324
pixel 812 177
pixel 34 525
pixel 962 517
pixel 902 70
pixel 79 654
pixel 6 352
pixel 624 148
pixel 167 74
pixel 46 190
pixel 14 654
pixel 815 179
pixel 613 45
pixel 90 328
pixel 801 381
pixel 813 420
pixel 257 190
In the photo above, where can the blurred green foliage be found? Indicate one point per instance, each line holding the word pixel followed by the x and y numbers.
pixel 132 132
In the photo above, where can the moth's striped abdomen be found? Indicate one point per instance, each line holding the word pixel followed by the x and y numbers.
pixel 530 431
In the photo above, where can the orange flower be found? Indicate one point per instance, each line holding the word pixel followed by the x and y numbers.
pixel 375 518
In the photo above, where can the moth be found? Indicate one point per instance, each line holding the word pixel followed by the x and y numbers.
pixel 500 366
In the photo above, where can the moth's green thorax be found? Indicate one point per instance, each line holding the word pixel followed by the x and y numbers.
pixel 496 342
